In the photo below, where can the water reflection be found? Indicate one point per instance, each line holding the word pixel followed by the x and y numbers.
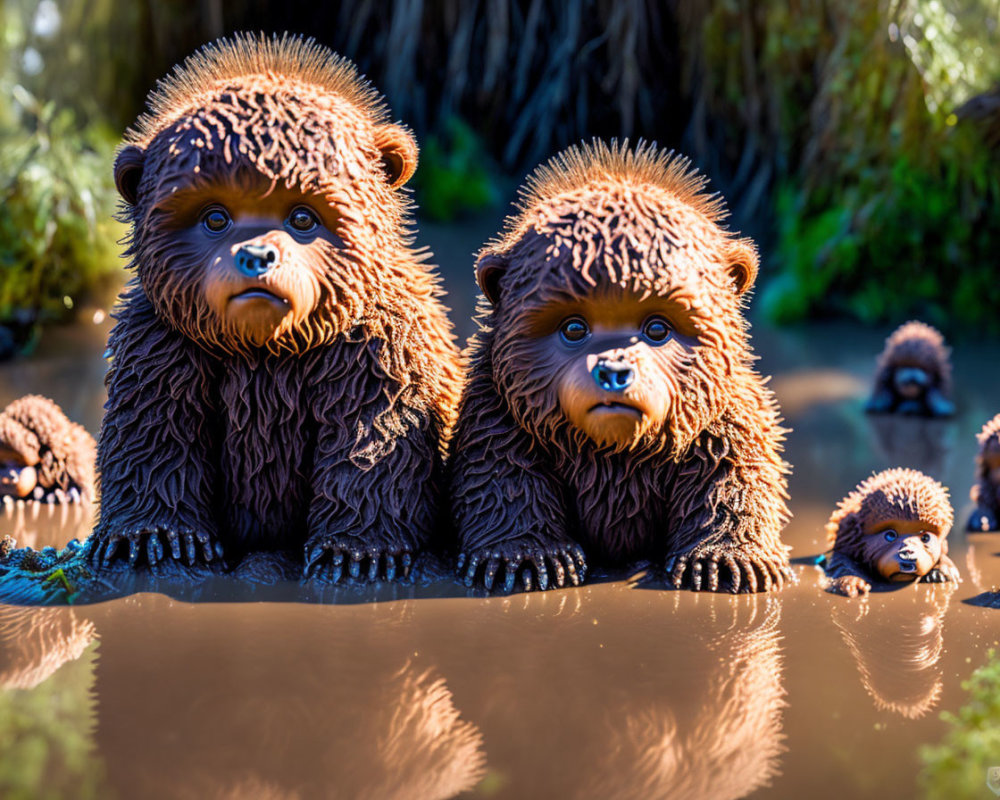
pixel 39 525
pixel 655 695
pixel 915 442
pixel 47 705
pixel 897 649
pixel 291 701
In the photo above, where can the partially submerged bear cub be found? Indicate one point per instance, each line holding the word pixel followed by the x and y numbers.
pixel 43 455
pixel 612 412
pixel 892 528
pixel 283 373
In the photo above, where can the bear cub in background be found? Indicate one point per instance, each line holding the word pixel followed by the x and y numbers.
pixel 283 373
pixel 913 374
pixel 892 528
pixel 612 412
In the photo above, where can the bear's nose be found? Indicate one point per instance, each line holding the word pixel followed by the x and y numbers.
pixel 613 376
pixel 256 259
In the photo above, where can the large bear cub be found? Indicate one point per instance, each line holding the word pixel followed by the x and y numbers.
pixel 283 374
pixel 612 412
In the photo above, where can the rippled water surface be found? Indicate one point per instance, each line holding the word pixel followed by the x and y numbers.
pixel 617 689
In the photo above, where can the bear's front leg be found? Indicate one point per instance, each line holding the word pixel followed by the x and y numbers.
pixel 376 473
pixel 507 509
pixel 156 475
pixel 729 513
pixel 845 576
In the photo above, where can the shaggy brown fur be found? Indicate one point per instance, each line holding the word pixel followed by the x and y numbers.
pixel 986 490
pixel 283 373
pixel 44 456
pixel 913 374
pixel 893 527
pixel 682 467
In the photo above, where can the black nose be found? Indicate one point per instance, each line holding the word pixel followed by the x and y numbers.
pixel 613 376
pixel 256 259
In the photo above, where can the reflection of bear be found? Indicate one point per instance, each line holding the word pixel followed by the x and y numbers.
pixel 913 374
pixel 44 456
pixel 656 751
pixel 612 404
pixel 630 699
pixel 919 442
pixel 35 642
pixel 986 490
pixel 301 701
pixel 283 374
pixel 893 527
pixel 898 652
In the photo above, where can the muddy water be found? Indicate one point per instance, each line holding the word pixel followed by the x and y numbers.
pixel 617 689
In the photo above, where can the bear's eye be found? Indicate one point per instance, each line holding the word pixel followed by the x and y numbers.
pixel 215 219
pixel 302 220
pixel 573 330
pixel 890 535
pixel 925 538
pixel 656 330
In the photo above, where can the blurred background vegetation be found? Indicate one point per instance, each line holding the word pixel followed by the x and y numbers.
pixel 857 141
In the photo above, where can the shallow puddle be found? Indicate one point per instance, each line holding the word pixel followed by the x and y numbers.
pixel 617 689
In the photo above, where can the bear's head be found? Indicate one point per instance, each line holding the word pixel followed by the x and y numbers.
pixel 617 299
pixel 263 190
pixel 895 523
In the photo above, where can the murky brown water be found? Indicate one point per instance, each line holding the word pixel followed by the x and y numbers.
pixel 616 689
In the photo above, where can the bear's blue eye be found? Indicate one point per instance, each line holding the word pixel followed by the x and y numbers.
pixel 890 536
pixel 656 330
pixel 215 219
pixel 302 220
pixel 574 330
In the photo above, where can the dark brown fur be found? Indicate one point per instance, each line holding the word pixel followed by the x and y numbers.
pixel 986 490
pixel 914 345
pixel 889 500
pixel 700 485
pixel 320 425
pixel 35 433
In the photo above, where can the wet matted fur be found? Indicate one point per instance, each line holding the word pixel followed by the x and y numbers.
pixel 895 500
pixel 282 384
pixel 690 475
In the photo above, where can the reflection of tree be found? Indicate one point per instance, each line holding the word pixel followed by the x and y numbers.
pixel 897 651
pixel 47 714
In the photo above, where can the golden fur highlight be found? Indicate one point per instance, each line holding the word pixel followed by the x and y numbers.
pixel 598 163
pixel 287 59
pixel 893 494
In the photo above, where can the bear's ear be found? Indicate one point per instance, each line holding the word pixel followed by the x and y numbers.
pixel 399 153
pixel 743 260
pixel 128 172
pixel 490 268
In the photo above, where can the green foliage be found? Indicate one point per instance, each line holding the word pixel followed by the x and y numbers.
pixel 956 768
pixel 885 203
pixel 46 736
pixel 57 237
pixel 453 178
